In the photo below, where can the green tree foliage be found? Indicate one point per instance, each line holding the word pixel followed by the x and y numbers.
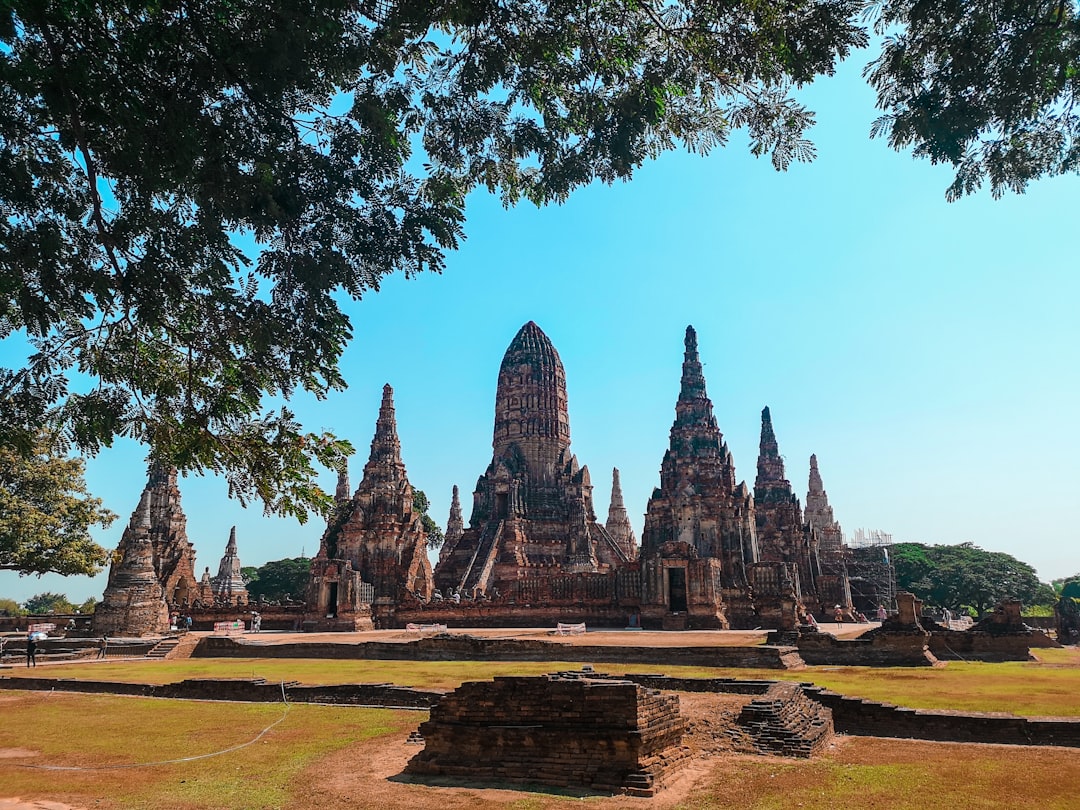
pixel 989 86
pixel 964 576
pixel 144 146
pixel 279 579
pixel 421 503
pixel 43 603
pixel 46 514
pixel 88 606
pixel 9 607
pixel 1071 589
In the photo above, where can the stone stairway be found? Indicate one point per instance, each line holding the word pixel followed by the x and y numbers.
pixel 174 648
pixel 184 647
pixel 161 650
pixel 785 721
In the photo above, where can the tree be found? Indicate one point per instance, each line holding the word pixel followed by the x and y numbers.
pixel 280 578
pixel 963 576
pixel 43 603
pixel 46 513
pixel 989 86
pixel 9 607
pixel 421 503
pixel 143 145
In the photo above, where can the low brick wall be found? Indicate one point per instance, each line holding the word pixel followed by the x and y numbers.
pixel 254 690
pixel 875 649
pixel 964 645
pixel 568 731
pixel 471 648
pixel 869 719
pixel 502 614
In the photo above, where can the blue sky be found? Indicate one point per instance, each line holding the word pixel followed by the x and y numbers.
pixel 925 351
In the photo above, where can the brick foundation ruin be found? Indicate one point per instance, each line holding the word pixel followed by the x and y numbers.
pixel 565 729
pixel 785 722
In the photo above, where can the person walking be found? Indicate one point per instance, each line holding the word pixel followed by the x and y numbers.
pixel 103 646
pixel 31 651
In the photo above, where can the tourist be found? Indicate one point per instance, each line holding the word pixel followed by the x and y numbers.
pixel 881 614
pixel 838 615
pixel 31 651
pixel 187 622
pixel 256 622
pixel 103 646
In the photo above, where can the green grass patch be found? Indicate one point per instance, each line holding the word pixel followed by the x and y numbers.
pixel 100 730
pixel 1043 688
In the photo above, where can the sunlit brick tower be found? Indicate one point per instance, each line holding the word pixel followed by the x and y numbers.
pixel 133 603
pixel 782 535
pixel 618 521
pixel 700 534
pixel 834 586
pixel 373 555
pixel 532 515
pixel 228 586
pixel 455 526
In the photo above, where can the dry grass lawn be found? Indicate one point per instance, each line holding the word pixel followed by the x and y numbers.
pixel 320 757
pixel 1044 688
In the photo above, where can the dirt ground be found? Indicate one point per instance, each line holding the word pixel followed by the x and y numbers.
pixel 606 638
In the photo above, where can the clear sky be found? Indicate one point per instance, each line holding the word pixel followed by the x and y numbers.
pixel 926 351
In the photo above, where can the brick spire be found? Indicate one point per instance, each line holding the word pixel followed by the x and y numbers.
pixel 770 482
pixel 455 527
pixel 385 467
pixel 695 433
pixel 228 585
pixel 820 514
pixel 342 493
pixel 618 521
pixel 531 417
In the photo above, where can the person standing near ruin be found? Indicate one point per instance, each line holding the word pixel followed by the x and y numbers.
pixel 31 651
pixel 881 614
pixel 103 646
pixel 838 615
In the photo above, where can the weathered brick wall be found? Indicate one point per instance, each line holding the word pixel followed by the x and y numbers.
pixel 968 645
pixel 255 690
pixel 471 648
pixel 866 718
pixel 875 649
pixel 600 734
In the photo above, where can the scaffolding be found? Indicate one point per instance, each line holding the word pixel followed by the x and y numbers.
pixel 871 571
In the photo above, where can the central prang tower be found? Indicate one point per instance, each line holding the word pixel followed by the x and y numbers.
pixel 532 514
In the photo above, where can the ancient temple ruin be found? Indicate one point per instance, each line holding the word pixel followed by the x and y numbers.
pixel 532 516
pixel 228 586
pixel 564 729
pixel 618 521
pixel 820 515
pixel 159 528
pixel 373 555
pixel 783 537
pixel 455 527
pixel 134 601
pixel 700 532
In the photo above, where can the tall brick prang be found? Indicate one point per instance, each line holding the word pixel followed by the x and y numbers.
pixel 373 555
pixel 134 602
pixel 618 521
pixel 532 516
pixel 700 533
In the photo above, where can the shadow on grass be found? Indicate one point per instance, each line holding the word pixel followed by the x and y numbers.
pixel 496 784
